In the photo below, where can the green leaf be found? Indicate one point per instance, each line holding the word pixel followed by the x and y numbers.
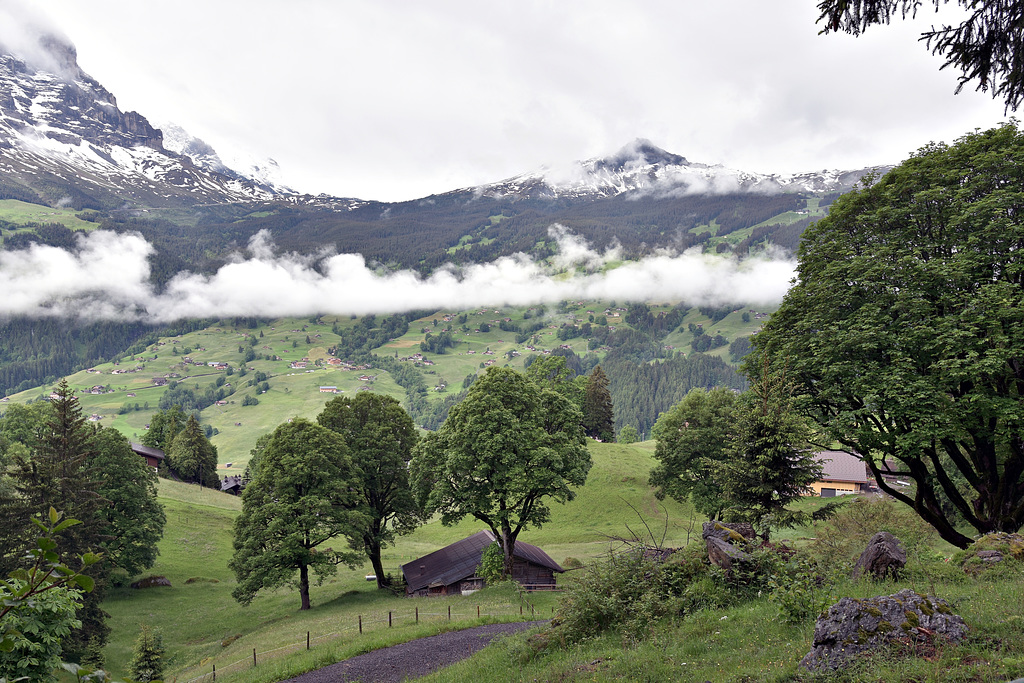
pixel 84 582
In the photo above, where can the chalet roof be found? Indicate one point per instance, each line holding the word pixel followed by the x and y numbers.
pixel 460 559
pixel 228 483
pixel 145 451
pixel 841 466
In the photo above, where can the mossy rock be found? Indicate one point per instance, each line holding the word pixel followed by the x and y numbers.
pixel 989 550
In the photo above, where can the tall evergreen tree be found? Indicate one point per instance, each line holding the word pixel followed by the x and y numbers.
pixel 193 457
pixel 58 472
pixel 772 464
pixel 598 411
pixel 163 427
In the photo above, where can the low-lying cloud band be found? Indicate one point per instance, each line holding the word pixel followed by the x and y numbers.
pixel 106 277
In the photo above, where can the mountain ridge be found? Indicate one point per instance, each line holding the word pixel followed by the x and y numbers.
pixel 61 130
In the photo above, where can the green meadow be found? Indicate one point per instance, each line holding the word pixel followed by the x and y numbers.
pixel 21 213
pixel 203 626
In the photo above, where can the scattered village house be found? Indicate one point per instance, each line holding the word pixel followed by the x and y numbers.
pixel 232 484
pixel 842 474
pixel 452 569
pixel 153 456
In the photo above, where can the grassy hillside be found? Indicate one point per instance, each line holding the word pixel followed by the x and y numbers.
pixel 123 394
pixel 198 616
pixel 21 213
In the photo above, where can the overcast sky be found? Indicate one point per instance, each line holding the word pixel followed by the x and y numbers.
pixel 397 100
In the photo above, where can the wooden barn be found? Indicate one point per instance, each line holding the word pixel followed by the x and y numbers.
pixel 153 456
pixel 452 569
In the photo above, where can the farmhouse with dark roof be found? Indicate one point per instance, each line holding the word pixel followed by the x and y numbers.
pixel 452 569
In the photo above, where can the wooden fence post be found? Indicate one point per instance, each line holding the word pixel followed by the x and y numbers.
pixel 417 615
pixel 478 611
pixel 254 656
pixel 214 672
pixel 360 624
pixel 449 612
pixel 389 618
pixel 307 640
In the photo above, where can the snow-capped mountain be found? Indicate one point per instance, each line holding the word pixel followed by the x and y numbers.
pixel 264 172
pixel 62 137
pixel 64 140
pixel 642 170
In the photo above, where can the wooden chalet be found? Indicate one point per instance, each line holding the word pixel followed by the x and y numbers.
pixel 842 474
pixel 232 484
pixel 153 456
pixel 452 569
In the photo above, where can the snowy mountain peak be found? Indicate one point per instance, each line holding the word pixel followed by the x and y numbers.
pixel 264 172
pixel 644 170
pixel 640 152
pixel 63 138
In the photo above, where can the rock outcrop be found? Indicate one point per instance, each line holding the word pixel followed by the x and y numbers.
pixel 853 626
pixel 883 557
pixel 727 542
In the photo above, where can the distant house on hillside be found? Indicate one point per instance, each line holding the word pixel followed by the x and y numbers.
pixel 842 474
pixel 153 456
pixel 329 390
pixel 452 569
pixel 232 484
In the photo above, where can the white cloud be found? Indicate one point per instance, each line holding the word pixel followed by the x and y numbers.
pixel 106 277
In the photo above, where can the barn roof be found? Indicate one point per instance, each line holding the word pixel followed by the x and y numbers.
pixel 841 466
pixel 147 451
pixel 460 559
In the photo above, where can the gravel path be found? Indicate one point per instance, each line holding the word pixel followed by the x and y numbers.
pixel 412 659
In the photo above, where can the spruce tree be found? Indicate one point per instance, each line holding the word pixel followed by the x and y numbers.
pixel 598 411
pixel 58 472
pixel 772 464
pixel 193 457
pixel 147 663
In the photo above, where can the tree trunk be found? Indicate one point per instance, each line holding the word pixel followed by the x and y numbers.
pixel 304 586
pixel 373 551
pixel 508 544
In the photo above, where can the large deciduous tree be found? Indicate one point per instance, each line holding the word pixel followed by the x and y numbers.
pixel 163 427
pixel 503 452
pixel 905 329
pixel 131 515
pixel 985 46
pixel 380 436
pixel 694 439
pixel 303 495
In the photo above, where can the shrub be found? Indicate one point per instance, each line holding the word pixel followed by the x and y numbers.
pixel 802 589
pixel 844 536
pixel 492 564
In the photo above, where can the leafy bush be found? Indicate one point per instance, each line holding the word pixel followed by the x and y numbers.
pixel 845 535
pixel 802 588
pixel 492 563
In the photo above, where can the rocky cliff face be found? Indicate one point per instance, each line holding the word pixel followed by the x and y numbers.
pixel 63 137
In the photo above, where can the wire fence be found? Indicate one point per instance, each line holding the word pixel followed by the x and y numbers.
pixel 369 622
